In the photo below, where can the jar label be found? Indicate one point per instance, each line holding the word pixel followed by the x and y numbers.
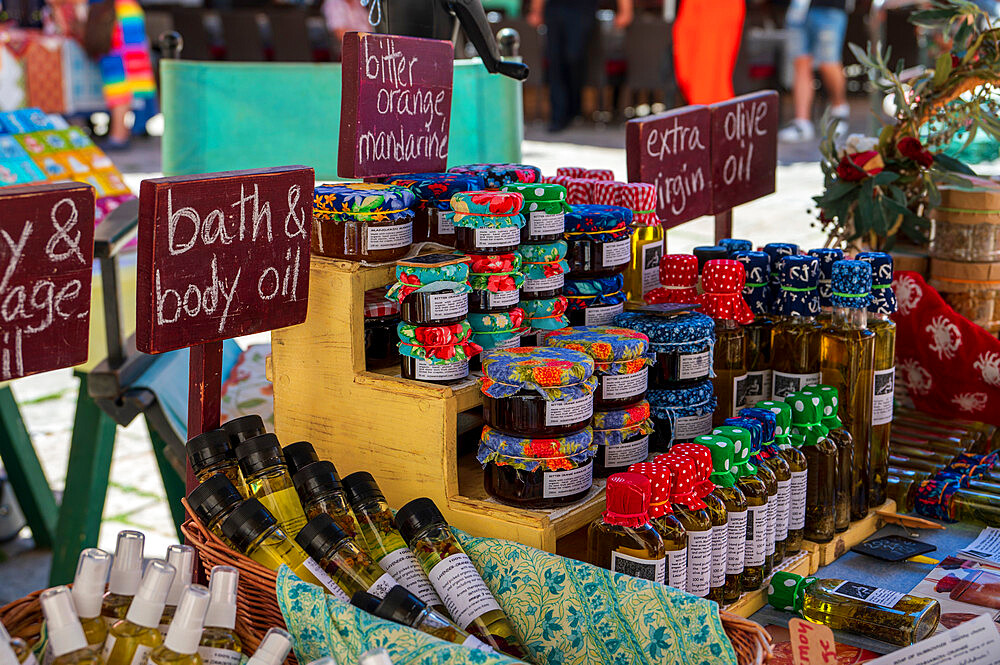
pixel 619 386
pixel 426 371
pixel 617 252
pixel 625 453
pixel 699 562
pixel 504 298
pixel 688 427
pixel 505 237
pixel 405 569
pixel 600 316
pixel 382 585
pixel 736 551
pixel 566 483
pixel 784 506
pixel 884 392
pixel 444 224
pixel 654 570
pixel 694 365
pixel 541 223
pixel 216 656
pixel 473 642
pixel 786 384
pixel 313 567
pixel 739 394
pixel 569 412
pixel 511 342
pixel 651 254
pixel 758 387
pixel 544 284
pixel 448 305
pixel 772 522
pixel 868 594
pixel 756 547
pixel 720 556
pixel 677 569
pixel 797 502
pixel 464 593
pixel 388 237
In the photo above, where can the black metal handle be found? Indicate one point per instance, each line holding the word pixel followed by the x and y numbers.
pixel 473 19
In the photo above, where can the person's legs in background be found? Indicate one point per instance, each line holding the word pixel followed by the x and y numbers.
pixel 557 32
pixel 576 59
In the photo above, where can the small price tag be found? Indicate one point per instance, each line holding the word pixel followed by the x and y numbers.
pixel 812 643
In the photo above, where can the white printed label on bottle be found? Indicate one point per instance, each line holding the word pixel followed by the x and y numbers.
pixel 382 586
pixel 699 562
pixel 566 483
pixel 464 593
pixel 739 394
pixel 504 298
pixel 600 316
pixel 569 412
pixel 694 365
pixel 651 254
pixel 677 569
pixel 141 655
pixel 784 506
pixel 617 252
pixel 688 427
pixel 505 237
pixel 736 551
pixel 405 569
pixel 783 384
pixel 511 342
pixel 869 594
pixel 445 226
pixel 426 371
pixel 884 391
pixel 474 642
pixel 544 284
pixel 720 554
pixel 216 656
pixel 797 502
pixel 109 646
pixel 313 567
pixel 625 453
pixel 30 659
pixel 542 223
pixel 756 547
pixel 654 570
pixel 448 305
pixel 618 386
pixel 388 237
pixel 47 657
pixel 758 387
pixel 772 522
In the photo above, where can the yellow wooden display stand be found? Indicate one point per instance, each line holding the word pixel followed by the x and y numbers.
pixel 405 433
pixel 826 553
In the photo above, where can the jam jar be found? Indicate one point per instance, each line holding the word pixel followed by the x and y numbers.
pixel 362 221
pixel 599 239
pixel 434 192
pixel 496 281
pixel 544 211
pixel 438 354
pixel 487 222
pixel 682 344
pixel 537 392
pixel 546 313
pixel 537 473
pixel 497 175
pixel 498 330
pixel 594 302
pixel 621 361
pixel 545 270
pixel 622 438
pixel 381 317
pixel 681 414
pixel 432 290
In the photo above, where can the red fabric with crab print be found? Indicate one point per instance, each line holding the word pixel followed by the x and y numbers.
pixel 947 364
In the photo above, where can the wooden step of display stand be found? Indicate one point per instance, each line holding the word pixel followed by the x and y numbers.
pixel 405 433
pixel 826 553
pixel 800 564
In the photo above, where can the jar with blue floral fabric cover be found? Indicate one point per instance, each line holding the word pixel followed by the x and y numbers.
pixel 621 438
pixel 680 414
pixel 433 192
pixel 544 211
pixel 487 222
pixel 682 345
pixel 594 301
pixel 360 221
pixel 599 239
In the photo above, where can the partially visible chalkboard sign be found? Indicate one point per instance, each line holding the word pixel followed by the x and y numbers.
pixel 222 255
pixel 744 149
pixel 396 105
pixel 673 152
pixel 893 548
pixel 46 261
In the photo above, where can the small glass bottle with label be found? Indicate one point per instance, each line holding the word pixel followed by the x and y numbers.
pixel 322 493
pixel 809 435
pixel 766 476
pixel 758 333
pixel 827 256
pixel 349 569
pixel 67 642
pixel 15 650
pixel 795 340
pixel 798 467
pixel 212 501
pixel 402 607
pixel 623 540
pixel 126 574
pixel 268 481
pixel 770 457
pixel 180 645
pixel 753 489
pixel 131 639
pixel 455 578
pixel 220 645
pixel 92 570
pixel 181 557
pixel 298 456
pixel 844 442
pixel 245 427
pixel 210 453
pixel 253 531
pixel 273 649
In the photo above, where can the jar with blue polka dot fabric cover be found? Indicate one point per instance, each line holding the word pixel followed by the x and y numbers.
pixel 680 414
pixel 682 345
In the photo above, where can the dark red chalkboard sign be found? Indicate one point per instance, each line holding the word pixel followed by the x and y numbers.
pixel 222 255
pixel 395 105
pixel 744 149
pixel 673 152
pixel 46 261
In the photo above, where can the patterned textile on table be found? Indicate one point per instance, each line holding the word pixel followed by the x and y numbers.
pixel 565 611
pixel 247 390
pixel 127 70
pixel 43 63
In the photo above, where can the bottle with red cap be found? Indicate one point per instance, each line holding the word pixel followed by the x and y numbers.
pixel 661 516
pixel 622 539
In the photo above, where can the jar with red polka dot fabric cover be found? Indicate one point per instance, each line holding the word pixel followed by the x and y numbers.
pixel 661 514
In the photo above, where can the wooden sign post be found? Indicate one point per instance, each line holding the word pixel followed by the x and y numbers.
pixel 220 255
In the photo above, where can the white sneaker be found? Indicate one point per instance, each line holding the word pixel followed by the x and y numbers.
pixel 797 131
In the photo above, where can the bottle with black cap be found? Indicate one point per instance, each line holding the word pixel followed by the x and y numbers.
pixel 403 607
pixel 706 253
pixel 299 455
pixel 268 481
pixel 322 493
pixel 347 568
pixel 378 535
pixel 210 454
pixel 245 427
pixel 455 578
pixel 253 531
pixel 212 501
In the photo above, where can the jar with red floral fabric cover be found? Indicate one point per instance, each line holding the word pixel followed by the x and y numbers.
pixel 487 222
pixel 438 354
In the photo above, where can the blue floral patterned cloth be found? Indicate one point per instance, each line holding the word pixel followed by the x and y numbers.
pixel 584 293
pixel 555 374
pixel 684 333
pixel 851 284
pixel 751 425
pixel 611 428
pixel 768 422
pixel 883 297
pixel 757 289
pixel 689 402
pixel 827 257
pixel 566 613
pixel 600 223
pixel 434 190
pixel 546 313
pixel 733 245
pixel 798 296
pixel 363 202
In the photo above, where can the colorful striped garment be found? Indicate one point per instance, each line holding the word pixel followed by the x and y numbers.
pixel 126 70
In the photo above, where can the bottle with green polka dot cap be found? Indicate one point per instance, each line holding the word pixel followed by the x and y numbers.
pixel 724 476
pixel 784 592
pixel 798 466
pixel 844 442
pixel 809 435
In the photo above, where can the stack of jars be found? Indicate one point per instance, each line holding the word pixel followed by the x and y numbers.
pixel 433 192
pixel 537 446
pixel 496 176
pixel 622 423
pixel 599 251
pixel 365 222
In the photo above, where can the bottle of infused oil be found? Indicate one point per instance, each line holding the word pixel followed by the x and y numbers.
pixel 455 578
pixel 220 645
pixel 180 645
pixel 795 339
pixel 263 466
pixel 8 656
pixel 623 540
pixel 253 531
pixel 402 607
pixel 298 456
pixel 880 309
pixel 131 639
pixel 88 588
pixel 67 642
pixel 771 458
pixel 844 442
pixel 770 481
pixel 798 467
pixel 752 577
pixel 809 435
pixel 322 493
pixel 661 516
pixel 379 537
pixel 245 427
pixel 181 557
pixel 126 573
pixel 338 557
pixel 273 649
pixel 889 616
pixel 211 454
pixel 213 501
pixel 826 256
pixel 18 647
pixel 758 333
pixel 847 362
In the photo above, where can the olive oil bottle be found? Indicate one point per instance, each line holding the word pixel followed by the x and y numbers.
pixel 663 519
pixel 180 645
pixel 92 570
pixel 254 531
pixel 243 428
pixel 796 337
pixel 756 292
pixel 181 557
pixel 298 456
pixel 126 573
pixel 809 435
pixel 273 649
pixel 798 467
pixel 771 458
pixel 844 442
pixel 755 492
pixel 770 481
pixel 777 251
pixel 266 475
pixel 67 642
pixel 341 560
pixel 404 608
pixel 640 278
pixel 219 644
pixel 16 648
pixel 623 540
pixel 132 639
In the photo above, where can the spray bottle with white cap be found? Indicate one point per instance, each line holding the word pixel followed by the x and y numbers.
pixel 22 652
pixel 180 646
pixel 126 571
pixel 88 588
pixel 219 643
pixel 66 638
pixel 181 557
pixel 7 655
pixel 273 649
pixel 131 639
